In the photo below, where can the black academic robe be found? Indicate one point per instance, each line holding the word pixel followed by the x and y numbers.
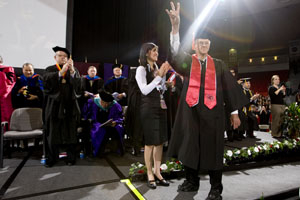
pixel 118 85
pixel 61 111
pixel 95 88
pixel 198 134
pixel 34 87
pixel 133 119
pixel 172 96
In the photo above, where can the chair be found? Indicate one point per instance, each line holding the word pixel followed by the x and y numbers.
pixel 25 123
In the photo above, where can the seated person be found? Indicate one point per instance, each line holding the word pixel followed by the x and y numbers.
pixel 117 85
pixel 100 110
pixel 28 90
pixel 91 83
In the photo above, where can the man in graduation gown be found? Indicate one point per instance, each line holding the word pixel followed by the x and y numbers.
pixel 28 90
pixel 208 89
pixel 117 85
pixel 99 110
pixel 91 83
pixel 62 87
pixel 250 120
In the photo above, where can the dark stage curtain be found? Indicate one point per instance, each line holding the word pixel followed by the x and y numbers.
pixel 106 30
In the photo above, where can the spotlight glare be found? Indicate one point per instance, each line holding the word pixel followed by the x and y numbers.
pixel 204 16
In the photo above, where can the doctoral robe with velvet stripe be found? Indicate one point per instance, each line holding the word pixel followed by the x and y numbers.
pixel 93 111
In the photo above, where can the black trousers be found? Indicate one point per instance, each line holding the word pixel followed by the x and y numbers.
pixel 215 178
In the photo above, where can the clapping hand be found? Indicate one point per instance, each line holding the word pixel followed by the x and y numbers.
pixel 174 15
pixel 164 68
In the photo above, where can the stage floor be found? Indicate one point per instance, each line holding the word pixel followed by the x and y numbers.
pixel 94 178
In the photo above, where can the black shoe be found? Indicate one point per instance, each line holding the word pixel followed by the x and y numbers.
pixel 214 195
pixel 70 163
pixel 49 164
pixel 187 186
pixel 151 184
pixel 162 182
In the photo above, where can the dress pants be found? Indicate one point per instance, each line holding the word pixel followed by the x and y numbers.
pixel 215 178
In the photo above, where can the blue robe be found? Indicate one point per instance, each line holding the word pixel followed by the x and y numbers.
pixel 92 110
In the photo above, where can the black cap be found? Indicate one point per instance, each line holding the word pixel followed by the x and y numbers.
pixel 57 48
pixel 202 33
pixel 245 79
pixel 106 96
pixel 117 66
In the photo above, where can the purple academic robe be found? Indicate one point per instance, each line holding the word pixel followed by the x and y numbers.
pixel 91 110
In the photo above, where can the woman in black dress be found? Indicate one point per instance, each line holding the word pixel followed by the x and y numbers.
pixel 151 81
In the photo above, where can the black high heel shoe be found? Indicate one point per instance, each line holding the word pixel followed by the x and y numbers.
pixel 162 182
pixel 151 184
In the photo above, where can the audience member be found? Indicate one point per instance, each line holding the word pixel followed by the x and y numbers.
pixel 276 93
pixel 251 120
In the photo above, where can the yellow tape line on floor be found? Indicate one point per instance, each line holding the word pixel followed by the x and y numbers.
pixel 133 189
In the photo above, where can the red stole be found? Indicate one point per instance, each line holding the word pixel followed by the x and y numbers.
pixel 192 95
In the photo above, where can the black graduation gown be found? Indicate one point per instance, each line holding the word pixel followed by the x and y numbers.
pixel 20 101
pixel 119 85
pixel 172 99
pixel 61 112
pixel 198 134
pixel 96 87
pixel 133 123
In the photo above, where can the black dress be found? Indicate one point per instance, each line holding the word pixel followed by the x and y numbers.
pixel 153 117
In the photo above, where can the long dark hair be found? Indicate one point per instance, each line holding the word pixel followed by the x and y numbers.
pixel 144 50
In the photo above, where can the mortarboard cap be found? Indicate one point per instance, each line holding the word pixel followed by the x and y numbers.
pixel 244 80
pixel 117 66
pixel 106 96
pixel 57 48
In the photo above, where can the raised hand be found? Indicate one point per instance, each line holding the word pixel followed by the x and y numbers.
pixel 174 15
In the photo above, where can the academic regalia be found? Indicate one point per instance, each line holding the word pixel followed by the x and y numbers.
pixel 133 119
pixel 34 86
pixel 172 96
pixel 7 80
pixel 198 133
pixel 118 85
pixel 251 122
pixel 93 85
pixel 61 112
pixel 94 111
